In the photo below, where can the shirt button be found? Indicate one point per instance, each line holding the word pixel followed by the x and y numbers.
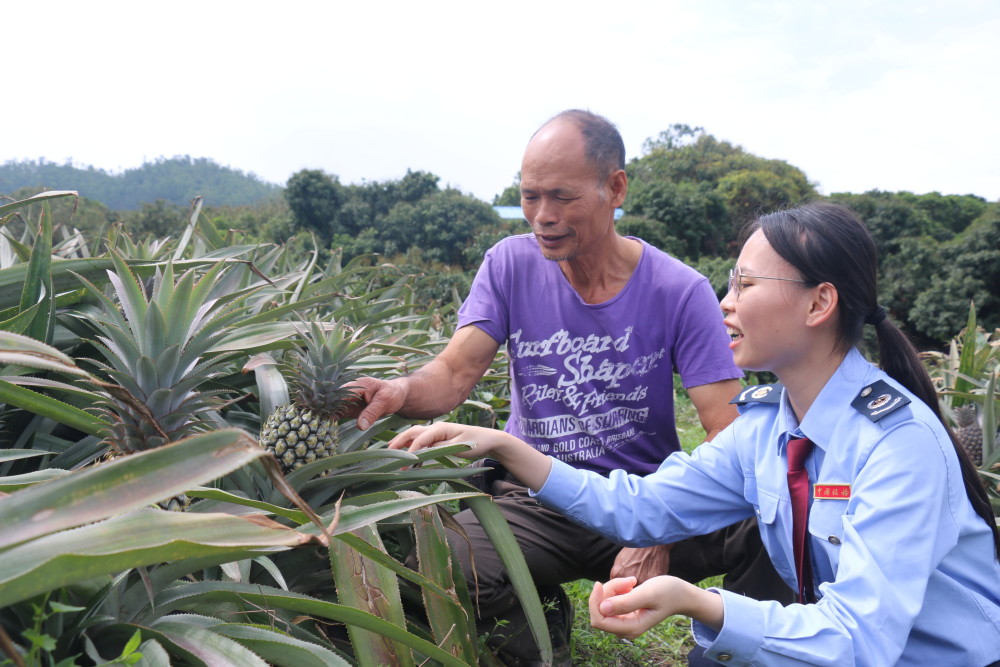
pixel 834 540
pixel 724 657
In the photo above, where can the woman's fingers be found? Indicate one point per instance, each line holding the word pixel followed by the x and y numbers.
pixel 422 437
pixel 621 607
pixel 619 586
pixel 605 617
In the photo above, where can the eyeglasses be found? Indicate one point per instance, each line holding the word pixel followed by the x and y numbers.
pixel 736 280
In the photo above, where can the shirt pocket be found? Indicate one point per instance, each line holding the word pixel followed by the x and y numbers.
pixel 765 504
pixel 766 508
pixel 826 525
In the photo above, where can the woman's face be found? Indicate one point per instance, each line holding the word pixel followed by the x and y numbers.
pixel 767 323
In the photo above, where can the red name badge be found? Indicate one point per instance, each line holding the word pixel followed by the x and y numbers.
pixel 831 491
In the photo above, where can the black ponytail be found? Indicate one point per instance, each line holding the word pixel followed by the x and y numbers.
pixel 899 359
pixel 828 243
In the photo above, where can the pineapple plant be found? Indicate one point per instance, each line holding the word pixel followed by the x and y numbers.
pixel 970 434
pixel 305 430
pixel 156 347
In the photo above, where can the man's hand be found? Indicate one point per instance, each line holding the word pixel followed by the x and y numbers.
pixel 376 399
pixel 642 564
pixel 431 391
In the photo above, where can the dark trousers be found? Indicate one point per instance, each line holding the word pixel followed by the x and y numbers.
pixel 558 551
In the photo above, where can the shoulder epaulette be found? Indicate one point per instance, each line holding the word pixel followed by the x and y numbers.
pixel 879 399
pixel 759 393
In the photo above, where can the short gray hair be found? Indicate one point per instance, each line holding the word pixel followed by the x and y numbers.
pixel 602 143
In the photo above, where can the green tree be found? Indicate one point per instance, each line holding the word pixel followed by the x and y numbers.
pixel 969 270
pixel 159 218
pixel 416 185
pixel 442 225
pixel 511 195
pixel 892 217
pixel 692 217
pixel 953 212
pixel 906 273
pixel 652 232
pixel 703 189
pixel 675 136
pixel 315 199
pixel 750 192
pixel 928 273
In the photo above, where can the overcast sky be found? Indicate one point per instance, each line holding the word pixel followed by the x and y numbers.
pixel 890 95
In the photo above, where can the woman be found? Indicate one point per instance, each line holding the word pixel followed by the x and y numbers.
pixel 899 563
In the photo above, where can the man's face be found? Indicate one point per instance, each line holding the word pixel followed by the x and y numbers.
pixel 560 195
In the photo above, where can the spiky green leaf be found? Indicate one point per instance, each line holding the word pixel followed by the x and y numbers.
pixel 132 540
pixel 365 584
pixel 54 409
pixel 127 483
pixel 191 596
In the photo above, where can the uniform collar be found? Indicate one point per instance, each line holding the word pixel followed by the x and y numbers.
pixel 833 401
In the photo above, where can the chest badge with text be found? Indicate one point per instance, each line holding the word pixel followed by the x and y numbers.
pixel 831 491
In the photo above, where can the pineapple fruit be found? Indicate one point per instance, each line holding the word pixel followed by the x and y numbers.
pixel 970 434
pixel 305 430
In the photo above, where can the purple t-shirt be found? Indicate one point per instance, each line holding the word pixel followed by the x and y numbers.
pixel 592 384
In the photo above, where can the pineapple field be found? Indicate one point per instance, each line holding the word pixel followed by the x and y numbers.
pixel 179 484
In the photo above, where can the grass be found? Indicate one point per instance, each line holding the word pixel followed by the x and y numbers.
pixel 663 645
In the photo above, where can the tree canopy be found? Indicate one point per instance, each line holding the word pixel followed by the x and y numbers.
pixel 701 190
pixel 689 194
pixel 392 218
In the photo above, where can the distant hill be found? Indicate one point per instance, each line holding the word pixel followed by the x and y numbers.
pixel 178 180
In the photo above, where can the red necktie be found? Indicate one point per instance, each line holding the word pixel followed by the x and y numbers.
pixel 798 489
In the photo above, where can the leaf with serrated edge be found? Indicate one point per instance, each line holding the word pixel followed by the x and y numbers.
pixel 127 483
pixel 450 622
pixel 279 649
pixel 132 540
pixel 365 584
pixel 207 646
pixel 191 596
pixel 499 532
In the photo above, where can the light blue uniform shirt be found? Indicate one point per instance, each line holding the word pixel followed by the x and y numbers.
pixel 905 569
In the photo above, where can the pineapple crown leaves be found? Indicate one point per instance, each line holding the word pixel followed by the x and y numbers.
pixel 322 371
pixel 156 351
pixel 966 415
pixel 165 415
pixel 176 313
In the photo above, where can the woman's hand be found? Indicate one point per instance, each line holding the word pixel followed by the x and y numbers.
pixel 623 609
pixel 521 459
pixel 483 440
pixel 627 610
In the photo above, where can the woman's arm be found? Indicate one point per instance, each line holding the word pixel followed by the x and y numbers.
pixel 521 459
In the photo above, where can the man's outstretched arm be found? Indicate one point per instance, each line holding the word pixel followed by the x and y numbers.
pixel 435 389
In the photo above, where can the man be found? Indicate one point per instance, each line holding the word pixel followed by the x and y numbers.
pixel 595 324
